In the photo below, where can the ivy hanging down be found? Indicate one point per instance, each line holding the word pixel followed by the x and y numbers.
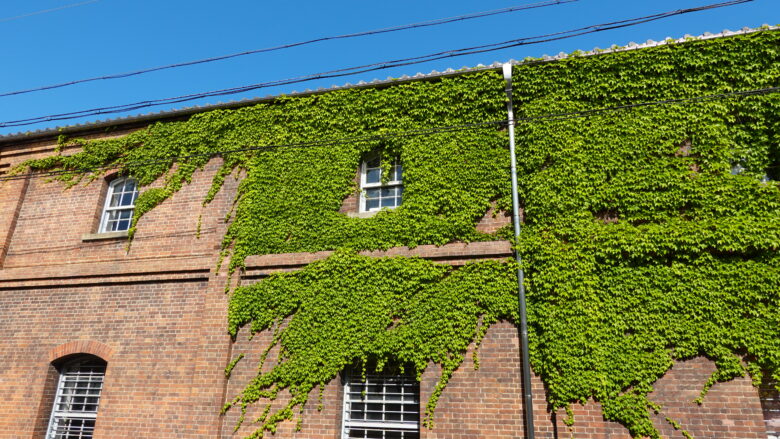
pixel 356 310
pixel 651 234
pixel 642 246
pixel 290 197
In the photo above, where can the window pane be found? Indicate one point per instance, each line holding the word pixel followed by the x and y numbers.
pixel 398 173
pixel 127 199
pixel 373 175
pixel 411 417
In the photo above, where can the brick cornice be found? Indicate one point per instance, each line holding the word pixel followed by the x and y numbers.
pixel 456 254
pixel 118 271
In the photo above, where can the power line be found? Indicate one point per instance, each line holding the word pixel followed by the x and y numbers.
pixel 413 133
pixel 435 22
pixel 45 11
pixel 373 67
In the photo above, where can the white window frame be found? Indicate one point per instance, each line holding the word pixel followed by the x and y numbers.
pixel 68 374
pixel 378 185
pixel 380 425
pixel 107 208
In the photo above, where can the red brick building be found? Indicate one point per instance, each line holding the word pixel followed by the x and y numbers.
pixel 145 329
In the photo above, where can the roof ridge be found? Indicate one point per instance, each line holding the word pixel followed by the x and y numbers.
pixel 186 111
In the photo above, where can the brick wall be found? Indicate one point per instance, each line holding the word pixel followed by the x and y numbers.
pixel 488 403
pixel 157 314
pixel 153 331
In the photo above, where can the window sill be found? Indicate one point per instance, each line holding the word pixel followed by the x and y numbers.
pixel 105 235
pixel 368 214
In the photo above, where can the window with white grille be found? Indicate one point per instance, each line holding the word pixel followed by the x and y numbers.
pixel 374 194
pixel 120 204
pixel 381 407
pixel 76 402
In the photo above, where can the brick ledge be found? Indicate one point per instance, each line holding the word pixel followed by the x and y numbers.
pixel 131 270
pixel 456 254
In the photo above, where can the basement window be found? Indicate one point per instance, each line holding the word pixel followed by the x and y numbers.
pixel 384 406
pixel 76 402
pixel 119 207
pixel 376 195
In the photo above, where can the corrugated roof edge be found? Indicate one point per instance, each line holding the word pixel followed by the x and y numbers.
pixel 186 111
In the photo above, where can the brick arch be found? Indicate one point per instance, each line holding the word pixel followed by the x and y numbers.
pixel 82 347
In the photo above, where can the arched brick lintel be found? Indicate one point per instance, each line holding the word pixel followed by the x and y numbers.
pixel 81 347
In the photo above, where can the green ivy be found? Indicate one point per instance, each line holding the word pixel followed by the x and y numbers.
pixel 352 310
pixel 640 246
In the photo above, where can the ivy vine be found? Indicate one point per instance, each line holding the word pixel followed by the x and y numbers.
pixel 352 310
pixel 641 246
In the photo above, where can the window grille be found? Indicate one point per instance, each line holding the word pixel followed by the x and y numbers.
pixel 770 404
pixel 120 204
pixel 376 195
pixel 76 402
pixel 382 407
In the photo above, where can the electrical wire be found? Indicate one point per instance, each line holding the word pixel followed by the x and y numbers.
pixel 45 11
pixel 411 133
pixel 435 22
pixel 373 67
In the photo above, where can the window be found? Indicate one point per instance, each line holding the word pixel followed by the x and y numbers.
pixel 375 195
pixel 120 203
pixel 383 407
pixel 77 399
pixel 770 405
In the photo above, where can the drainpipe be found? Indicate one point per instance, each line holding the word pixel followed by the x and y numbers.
pixel 527 394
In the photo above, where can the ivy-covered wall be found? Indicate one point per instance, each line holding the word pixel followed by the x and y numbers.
pixel 640 245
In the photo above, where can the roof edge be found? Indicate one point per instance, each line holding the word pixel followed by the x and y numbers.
pixel 142 119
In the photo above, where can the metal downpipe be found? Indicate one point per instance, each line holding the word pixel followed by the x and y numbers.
pixel 527 393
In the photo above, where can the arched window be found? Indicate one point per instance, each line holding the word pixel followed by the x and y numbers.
pixel 78 396
pixel 120 204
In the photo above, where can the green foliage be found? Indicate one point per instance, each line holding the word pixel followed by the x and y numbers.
pixel 356 310
pixel 290 197
pixel 640 246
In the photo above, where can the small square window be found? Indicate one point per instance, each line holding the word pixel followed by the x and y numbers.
pixel 375 195
pixel 119 207
pixel 384 406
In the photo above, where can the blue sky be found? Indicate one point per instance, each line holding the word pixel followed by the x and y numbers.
pixel 105 37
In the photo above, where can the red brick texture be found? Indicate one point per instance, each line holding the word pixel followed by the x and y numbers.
pixel 157 315
pixel 730 410
pixel 81 347
pixel 487 403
